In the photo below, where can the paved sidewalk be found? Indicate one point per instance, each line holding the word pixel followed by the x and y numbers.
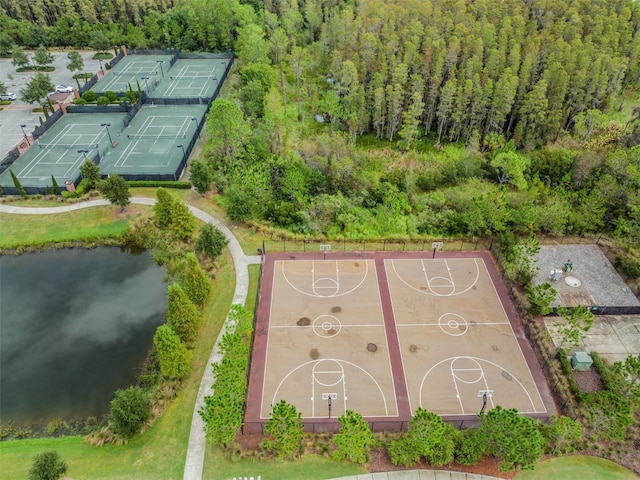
pixel 197 441
pixel 418 475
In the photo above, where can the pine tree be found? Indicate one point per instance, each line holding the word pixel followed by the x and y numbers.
pixel 21 191
pixel 182 315
pixel 284 431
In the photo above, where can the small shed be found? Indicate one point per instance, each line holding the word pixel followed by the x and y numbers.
pixel 581 361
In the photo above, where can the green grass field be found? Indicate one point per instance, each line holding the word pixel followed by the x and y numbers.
pixel 83 225
pixel 577 467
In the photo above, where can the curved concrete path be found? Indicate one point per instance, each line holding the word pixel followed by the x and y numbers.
pixel 197 441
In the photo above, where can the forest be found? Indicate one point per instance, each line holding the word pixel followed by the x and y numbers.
pixel 398 119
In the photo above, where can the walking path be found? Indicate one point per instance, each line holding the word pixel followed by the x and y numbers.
pixel 197 441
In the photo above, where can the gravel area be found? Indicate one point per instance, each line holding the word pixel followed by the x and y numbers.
pixel 600 283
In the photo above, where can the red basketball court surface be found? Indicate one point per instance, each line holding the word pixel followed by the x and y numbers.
pixel 385 333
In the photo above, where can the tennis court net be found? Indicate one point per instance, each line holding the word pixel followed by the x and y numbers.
pixel 193 77
pixel 133 74
pixel 68 146
pixel 133 136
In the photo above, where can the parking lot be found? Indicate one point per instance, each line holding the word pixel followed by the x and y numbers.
pixel 20 113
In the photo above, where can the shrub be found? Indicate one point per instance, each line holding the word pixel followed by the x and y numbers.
pixel 129 411
pixel 111 96
pixel 83 187
pixel 223 411
pixel 174 358
pixel 284 431
pixel 103 101
pixel 80 101
pixel 47 466
pixel 89 96
pixel 629 266
pixel 211 241
pixel 354 439
pixel 160 183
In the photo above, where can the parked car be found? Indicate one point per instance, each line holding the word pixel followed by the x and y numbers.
pixel 8 96
pixel 64 89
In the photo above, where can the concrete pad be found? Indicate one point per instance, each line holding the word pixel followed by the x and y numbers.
pixel 604 344
pixel 612 358
pixel 631 343
pixel 379 476
pixel 625 325
pixel 601 326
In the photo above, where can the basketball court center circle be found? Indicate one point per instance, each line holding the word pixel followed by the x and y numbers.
pixel 453 324
pixel 326 326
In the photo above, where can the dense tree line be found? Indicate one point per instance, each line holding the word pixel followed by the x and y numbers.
pixel 441 117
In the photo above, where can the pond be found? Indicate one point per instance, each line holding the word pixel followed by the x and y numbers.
pixel 75 325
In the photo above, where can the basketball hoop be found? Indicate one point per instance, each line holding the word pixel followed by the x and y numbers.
pixel 324 249
pixel 436 246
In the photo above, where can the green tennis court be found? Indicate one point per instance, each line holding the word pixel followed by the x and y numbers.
pixel 191 78
pixel 61 150
pixel 133 70
pixel 155 144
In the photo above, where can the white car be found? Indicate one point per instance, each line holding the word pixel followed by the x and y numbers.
pixel 64 89
pixel 8 96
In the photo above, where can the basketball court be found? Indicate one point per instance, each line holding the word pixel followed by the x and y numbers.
pixel 385 333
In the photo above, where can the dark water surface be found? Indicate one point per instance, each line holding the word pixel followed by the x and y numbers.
pixel 75 325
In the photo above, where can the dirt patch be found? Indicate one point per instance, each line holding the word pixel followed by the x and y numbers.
pixel 336 309
pixel 314 354
pixel 372 347
pixel 588 380
pixel 413 348
pixel 304 322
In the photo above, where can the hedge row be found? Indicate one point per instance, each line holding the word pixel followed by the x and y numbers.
pixel 180 184
pixel 223 411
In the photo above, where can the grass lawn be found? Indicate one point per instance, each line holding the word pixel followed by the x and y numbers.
pixel 86 224
pixel 310 467
pixel 577 467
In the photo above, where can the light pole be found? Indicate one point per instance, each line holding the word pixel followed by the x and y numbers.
pixel 25 134
pixel 101 69
pixel 146 85
pixel 85 154
pixel 106 126
pixel 184 152
pixel 160 62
